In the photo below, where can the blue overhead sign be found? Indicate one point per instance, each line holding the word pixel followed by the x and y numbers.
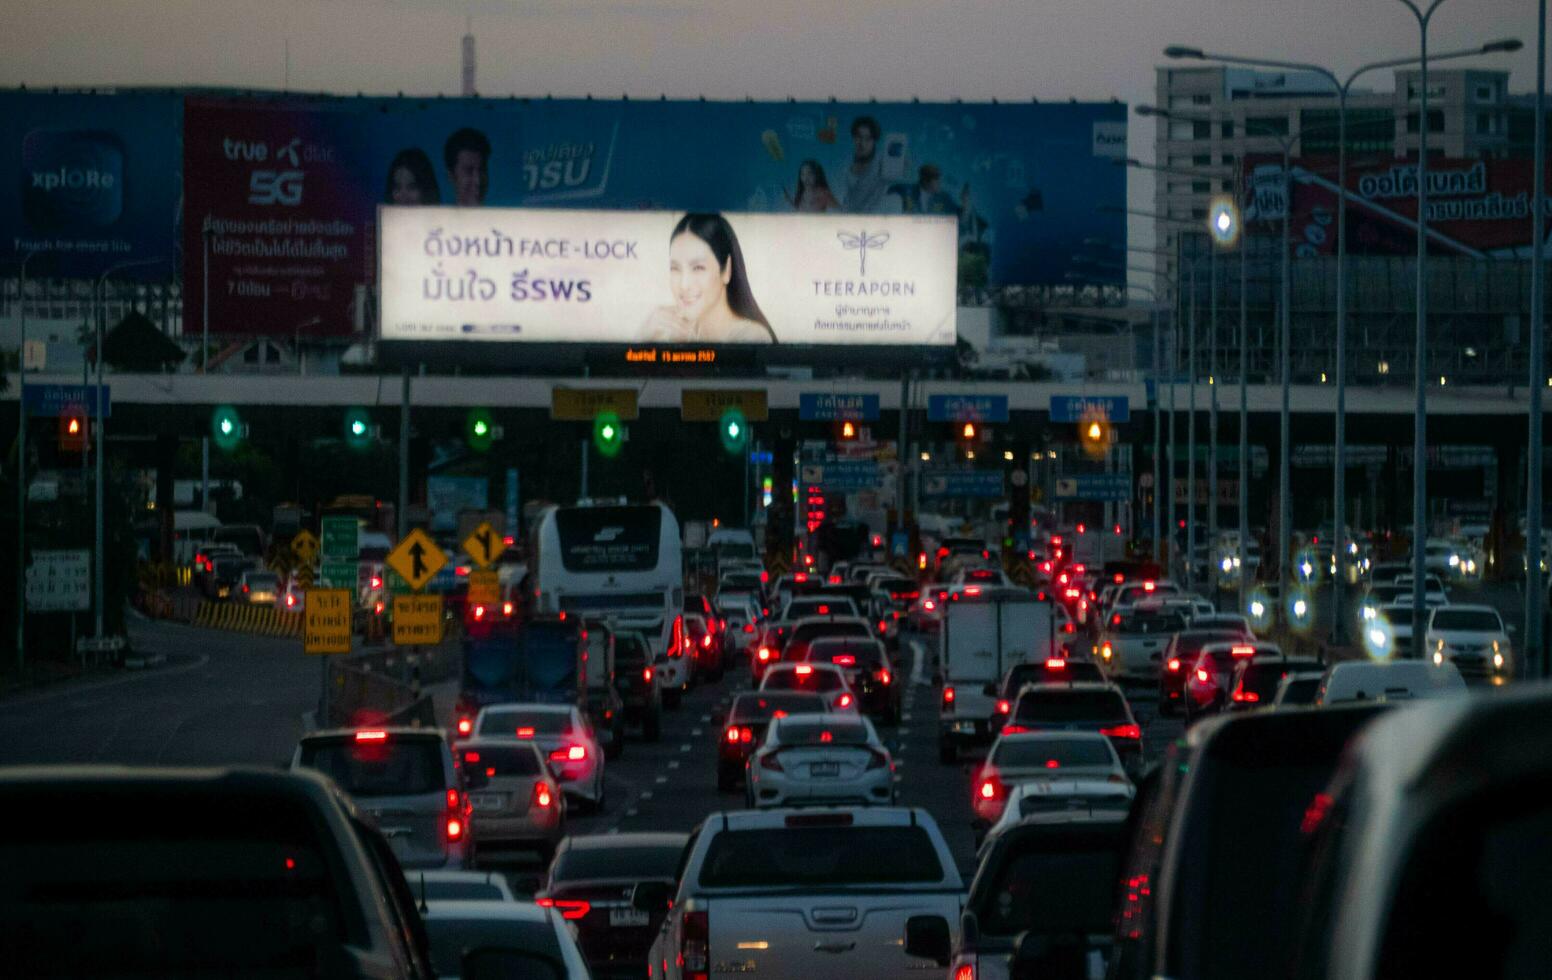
pixel 1085 408
pixel 961 483
pixel 967 408
pixel 56 399
pixel 825 406
pixel 842 476
pixel 1095 486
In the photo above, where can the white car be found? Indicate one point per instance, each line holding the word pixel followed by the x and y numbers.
pixel 1076 794
pixel 565 738
pixel 455 928
pixel 833 759
pixel 461 886
pixel 1026 757
pixel 824 679
pixel 1473 638
pixel 1132 642
pixel 1398 680
pixel 672 671
pixel 1434 592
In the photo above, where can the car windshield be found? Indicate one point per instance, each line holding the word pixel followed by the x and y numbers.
pixel 1467 620
pixel 525 723
pixel 502 760
pixel 820 856
pixel 396 765
pixel 262 580
pixel 1302 690
pixel 1052 753
pixel 793 732
pixel 631 862
pixel 1058 706
pixel 1262 678
pixel 1064 889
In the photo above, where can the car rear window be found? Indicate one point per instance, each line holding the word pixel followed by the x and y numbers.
pixel 633 862
pixel 502 760
pixel 630 650
pixel 982 575
pixel 451 937
pixel 844 654
pixel 158 883
pixel 808 632
pixel 762 707
pixel 1191 642
pixel 399 765
pixel 517 723
pixel 1064 892
pixel 822 681
pixel 1151 623
pixel 821 857
pixel 262 580
pixel 1061 706
pixel 1029 753
pixel 793 733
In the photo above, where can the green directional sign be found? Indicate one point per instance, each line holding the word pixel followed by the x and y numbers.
pixel 340 538
pixel 339 574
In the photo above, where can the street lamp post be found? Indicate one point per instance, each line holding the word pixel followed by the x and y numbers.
pixel 21 475
pixel 1533 657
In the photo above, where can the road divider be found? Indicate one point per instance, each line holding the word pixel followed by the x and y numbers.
pixel 254 620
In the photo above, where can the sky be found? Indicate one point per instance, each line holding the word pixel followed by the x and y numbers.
pixel 730 49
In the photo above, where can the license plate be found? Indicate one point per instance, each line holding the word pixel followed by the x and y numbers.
pixel 487 801
pixel 824 770
pixel 627 917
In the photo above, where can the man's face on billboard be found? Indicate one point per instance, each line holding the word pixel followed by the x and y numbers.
pixel 468 178
pixel 863 143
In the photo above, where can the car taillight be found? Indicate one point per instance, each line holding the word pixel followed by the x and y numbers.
pixel 740 733
pixel 877 760
pixel 771 763
pixel 1014 730
pixel 1242 651
pixel 543 796
pixel 525 731
pixel 929 605
pixel 1055 663
pixel 991 788
pixel 748 627
pixel 1202 675
pixel 1122 731
pixel 764 654
pixel 569 908
pixel 844 701
pixel 1004 708
pixel 378 607
pixel 1106 651
pixel 964 971
pixel 803 670
pixel 884 678
pixel 245 590
pixel 647 674
pixel 464 727
pixel 1174 664
pixel 694 942
pixel 948 695
pixel 454 799
pixel 454 828
pixel 290 599
pixel 372 735
pixel 574 753
pixel 1246 697
pixel 377 582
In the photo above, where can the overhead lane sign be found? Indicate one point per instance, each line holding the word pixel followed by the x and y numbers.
pixel 1090 408
pixel 834 406
pixel 967 408
pixel 585 404
pixel 709 404
pixel 416 559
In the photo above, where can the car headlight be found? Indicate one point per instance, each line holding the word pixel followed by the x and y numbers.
pixel 1438 659
pixel 1227 564
pixel 1368 612
pixel 1498 657
pixel 1454 560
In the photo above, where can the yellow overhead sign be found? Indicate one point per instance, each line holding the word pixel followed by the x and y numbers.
pixel 584 404
pixel 417 620
pixel 416 558
pixel 484 545
pixel 708 404
pixel 326 621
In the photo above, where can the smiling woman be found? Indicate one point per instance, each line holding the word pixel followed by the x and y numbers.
pixel 712 299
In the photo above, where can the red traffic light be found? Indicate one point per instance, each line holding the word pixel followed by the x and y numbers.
pixel 72 433
pixel 968 432
pixel 848 430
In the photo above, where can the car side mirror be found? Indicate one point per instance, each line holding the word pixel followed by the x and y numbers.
pixel 651 896
pixel 927 937
pixel 500 963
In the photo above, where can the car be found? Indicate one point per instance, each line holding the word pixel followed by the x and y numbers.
pixel 1257 678
pixel 517 938
pixel 1394 623
pixel 805 631
pixel 1435 593
pixel 200 872
pixel 591 883
pixel 808 606
pixel 746 721
pixel 565 738
pixel 1397 680
pixel 673 667
pixel 816 891
pixel 926 613
pixel 1042 896
pixel 514 800
pixel 702 647
pixel 406 779
pixel 1299 689
pixel 1053 670
pixel 827 680
pixel 1022 757
pixel 829 759
pixel 1080 707
pixel 467 886
pixel 868 670
pixel 1433 828
pixel 635 677
pixel 1207 683
pixel 1474 639
pixel 1132 643
pixel 1180 656
pixel 1074 797
pixel 293 598
pixel 740 611
pixel 703 607
pixel 258 587
pixel 1221 620
pixel 766 650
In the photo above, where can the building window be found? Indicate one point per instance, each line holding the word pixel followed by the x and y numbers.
pixel 1435 121
pixel 1198 214
pixel 1267 126
pixel 1485 93
pixel 1203 99
pixel 1201 187
pixel 1228 159
pixel 1202 160
pixel 1228 129
pixel 1228 187
pixel 1201 129
pixel 1485 124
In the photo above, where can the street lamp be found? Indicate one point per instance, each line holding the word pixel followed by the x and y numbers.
pixel 1343 88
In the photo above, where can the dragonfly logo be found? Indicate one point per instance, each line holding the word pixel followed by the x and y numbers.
pixel 607 534
pixel 861 243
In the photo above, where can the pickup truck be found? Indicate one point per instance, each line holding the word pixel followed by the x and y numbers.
pixel 822 894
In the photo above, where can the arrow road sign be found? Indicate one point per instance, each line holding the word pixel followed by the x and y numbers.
pixel 416 559
pixel 484 545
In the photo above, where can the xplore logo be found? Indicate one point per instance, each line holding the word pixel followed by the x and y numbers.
pixel 72 180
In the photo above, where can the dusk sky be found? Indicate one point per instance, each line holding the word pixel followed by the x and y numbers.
pixel 728 49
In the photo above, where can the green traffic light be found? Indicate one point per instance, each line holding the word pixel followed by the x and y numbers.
pixel 480 429
pixel 226 427
pixel 358 428
pixel 608 434
pixel 734 430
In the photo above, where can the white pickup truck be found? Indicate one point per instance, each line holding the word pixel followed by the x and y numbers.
pixel 821 894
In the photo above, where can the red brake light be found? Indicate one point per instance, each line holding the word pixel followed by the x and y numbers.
pixel 973 590
pixel 377 581
pixel 1053 763
pixel 290 599
pixel 800 577
pixel 964 971
pixel 1122 731
pixel 506 609
pixel 990 789
pixel 1149 586
pixel 1119 578
pixel 1014 730
pixel 479 612
pixel 844 660
pixel 542 797
pixel 706 640
pixel 1202 675
pixel 748 627
pixel 575 753
pixel 884 677
pixel 764 577
pixel 372 736
pixel 803 670
pixel 929 605
pixel 948 695
pixel 844 701
pixel 647 674
pixel 454 828
pixel 465 726
pixel 1242 651
pixel 1004 708
pixel 1055 663
pixel 1246 697
pixel 732 734
pixel 569 908
pixel 1174 664
pixel 764 654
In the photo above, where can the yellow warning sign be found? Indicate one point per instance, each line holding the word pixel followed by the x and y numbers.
pixel 416 558
pixel 326 621
pixel 417 620
pixel 305 547
pixel 584 404
pixel 708 404
pixel 484 588
pixel 484 545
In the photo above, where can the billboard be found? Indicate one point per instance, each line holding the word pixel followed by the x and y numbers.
pixel 282 199
pixel 648 278
pixel 90 182
pixel 1476 207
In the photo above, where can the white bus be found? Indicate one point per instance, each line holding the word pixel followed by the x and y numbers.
pixel 620 562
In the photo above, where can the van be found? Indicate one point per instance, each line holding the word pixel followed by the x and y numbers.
pixel 1403 680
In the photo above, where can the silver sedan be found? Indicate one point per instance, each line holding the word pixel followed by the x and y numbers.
pixel 820 759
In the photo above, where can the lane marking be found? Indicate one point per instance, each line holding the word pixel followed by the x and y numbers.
pixel 705 719
pixel 685 747
pixel 695 732
pixel 646 794
pixel 632 812
pixel 673 764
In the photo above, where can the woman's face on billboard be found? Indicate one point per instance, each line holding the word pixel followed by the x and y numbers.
pixel 698 282
pixel 405 190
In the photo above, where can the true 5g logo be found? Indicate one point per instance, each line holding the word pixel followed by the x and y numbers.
pixel 282 187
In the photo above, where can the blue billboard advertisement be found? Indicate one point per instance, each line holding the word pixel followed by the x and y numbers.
pixel 89 183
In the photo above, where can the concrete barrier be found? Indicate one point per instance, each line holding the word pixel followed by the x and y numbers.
pixel 251 619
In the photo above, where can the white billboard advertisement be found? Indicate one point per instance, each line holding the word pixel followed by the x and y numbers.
pixel 666 277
